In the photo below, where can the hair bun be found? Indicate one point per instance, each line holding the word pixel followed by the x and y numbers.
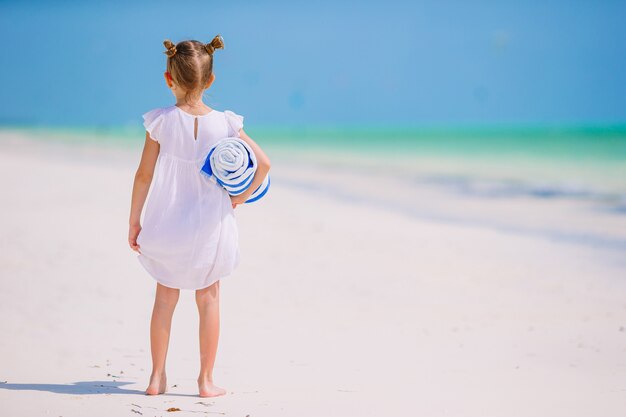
pixel 171 48
pixel 216 43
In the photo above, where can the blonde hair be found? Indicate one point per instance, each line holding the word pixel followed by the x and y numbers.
pixel 190 63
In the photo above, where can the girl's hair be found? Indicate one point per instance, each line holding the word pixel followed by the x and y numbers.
pixel 190 63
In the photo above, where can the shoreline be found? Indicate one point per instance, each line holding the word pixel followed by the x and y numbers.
pixel 420 187
pixel 578 175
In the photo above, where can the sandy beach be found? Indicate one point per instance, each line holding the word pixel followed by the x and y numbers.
pixel 355 297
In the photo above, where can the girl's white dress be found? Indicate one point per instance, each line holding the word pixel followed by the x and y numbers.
pixel 189 237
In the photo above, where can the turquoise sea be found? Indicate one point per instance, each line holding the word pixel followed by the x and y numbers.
pixel 585 161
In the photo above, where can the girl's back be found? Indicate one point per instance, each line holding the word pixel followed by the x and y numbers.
pixel 189 236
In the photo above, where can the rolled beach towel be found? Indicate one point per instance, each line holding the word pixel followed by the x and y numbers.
pixel 232 164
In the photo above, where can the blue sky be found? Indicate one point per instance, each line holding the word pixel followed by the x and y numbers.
pixel 321 63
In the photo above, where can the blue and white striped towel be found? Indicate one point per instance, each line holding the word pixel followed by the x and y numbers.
pixel 232 164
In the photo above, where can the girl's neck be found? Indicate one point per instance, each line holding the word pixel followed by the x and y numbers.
pixel 192 107
pixel 194 102
pixel 180 102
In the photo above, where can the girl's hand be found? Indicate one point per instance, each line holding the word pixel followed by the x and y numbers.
pixel 133 232
pixel 237 199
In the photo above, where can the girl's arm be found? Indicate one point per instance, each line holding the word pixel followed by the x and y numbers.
pixel 143 179
pixel 263 167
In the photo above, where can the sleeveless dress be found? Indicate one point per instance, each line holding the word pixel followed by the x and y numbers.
pixel 189 237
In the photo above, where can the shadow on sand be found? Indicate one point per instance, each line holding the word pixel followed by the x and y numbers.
pixel 84 388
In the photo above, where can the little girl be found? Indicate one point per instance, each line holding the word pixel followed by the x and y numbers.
pixel 189 238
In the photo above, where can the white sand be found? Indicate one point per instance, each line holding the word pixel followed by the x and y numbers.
pixel 340 307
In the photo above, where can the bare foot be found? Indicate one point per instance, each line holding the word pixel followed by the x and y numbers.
pixel 208 389
pixel 157 384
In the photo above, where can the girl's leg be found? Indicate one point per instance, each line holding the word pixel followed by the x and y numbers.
pixel 208 302
pixel 164 304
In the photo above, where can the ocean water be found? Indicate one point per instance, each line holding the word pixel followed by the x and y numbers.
pixel 586 162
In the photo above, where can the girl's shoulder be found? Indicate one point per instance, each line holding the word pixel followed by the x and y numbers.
pixel 158 112
pixel 235 122
pixel 153 120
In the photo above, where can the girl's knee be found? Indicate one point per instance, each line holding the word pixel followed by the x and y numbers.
pixel 209 295
pixel 167 296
